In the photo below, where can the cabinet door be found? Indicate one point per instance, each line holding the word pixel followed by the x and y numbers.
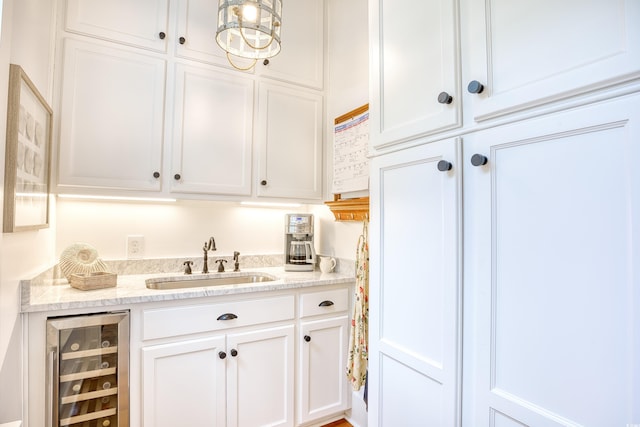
pixel 301 59
pixel 323 386
pixel 290 143
pixel 212 136
pixel 136 23
pixel 551 282
pixel 414 58
pixel 415 302
pixel 184 383
pixel 260 383
pixel 528 53
pixel 111 118
pixel 195 38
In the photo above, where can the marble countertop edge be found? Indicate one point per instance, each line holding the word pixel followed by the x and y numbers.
pixel 51 293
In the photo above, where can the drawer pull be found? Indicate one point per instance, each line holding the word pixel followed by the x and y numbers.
pixel 234 352
pixel 222 355
pixel 325 303
pixel 307 338
pixel 227 316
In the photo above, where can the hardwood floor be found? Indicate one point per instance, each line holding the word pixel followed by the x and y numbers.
pixel 339 423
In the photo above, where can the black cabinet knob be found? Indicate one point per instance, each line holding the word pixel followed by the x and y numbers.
pixel 234 352
pixel 263 182
pixel 475 87
pixel 156 174
pixel 177 177
pixel 222 355
pixel 444 166
pixel 479 160
pixel 307 338
pixel 162 35
pixel 265 62
pixel 445 98
pixel 181 40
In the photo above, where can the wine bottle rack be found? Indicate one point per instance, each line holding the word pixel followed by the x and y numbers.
pixel 88 361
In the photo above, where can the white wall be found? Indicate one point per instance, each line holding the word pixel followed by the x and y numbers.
pixel 348 88
pixel 180 229
pixel 25 40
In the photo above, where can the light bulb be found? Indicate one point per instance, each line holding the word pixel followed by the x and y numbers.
pixel 249 12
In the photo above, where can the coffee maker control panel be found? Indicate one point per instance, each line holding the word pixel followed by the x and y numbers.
pixel 299 224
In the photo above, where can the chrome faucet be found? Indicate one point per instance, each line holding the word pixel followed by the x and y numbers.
pixel 208 246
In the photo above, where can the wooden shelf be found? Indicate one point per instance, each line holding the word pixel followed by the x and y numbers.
pixel 349 209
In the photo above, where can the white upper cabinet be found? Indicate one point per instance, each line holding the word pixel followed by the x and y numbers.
pixel 195 34
pixel 490 59
pixel 301 59
pixel 529 53
pixel 142 23
pixel 150 103
pixel 212 133
pixel 414 55
pixel 111 127
pixel 289 138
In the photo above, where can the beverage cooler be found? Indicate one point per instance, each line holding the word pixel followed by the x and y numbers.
pixel 88 371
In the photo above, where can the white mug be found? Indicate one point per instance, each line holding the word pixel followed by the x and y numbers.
pixel 327 264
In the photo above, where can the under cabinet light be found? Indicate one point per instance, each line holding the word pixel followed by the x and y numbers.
pixel 115 198
pixel 271 204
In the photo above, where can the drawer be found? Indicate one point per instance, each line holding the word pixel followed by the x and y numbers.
pixel 325 302
pixel 173 321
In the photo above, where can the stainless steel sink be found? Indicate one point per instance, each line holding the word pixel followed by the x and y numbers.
pixel 193 282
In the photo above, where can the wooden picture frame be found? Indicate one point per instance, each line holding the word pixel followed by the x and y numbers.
pixel 27 155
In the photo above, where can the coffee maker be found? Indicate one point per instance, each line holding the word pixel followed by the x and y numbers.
pixel 299 253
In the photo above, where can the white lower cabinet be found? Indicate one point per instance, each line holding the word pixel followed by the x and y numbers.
pixel 226 361
pixel 323 389
pixel 323 358
pixel 184 374
pixel 223 364
pixel 260 378
pixel 241 379
pixel 235 362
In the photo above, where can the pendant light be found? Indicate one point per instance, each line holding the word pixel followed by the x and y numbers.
pixel 249 29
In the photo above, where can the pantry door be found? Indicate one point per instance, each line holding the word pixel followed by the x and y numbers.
pixel 415 287
pixel 552 286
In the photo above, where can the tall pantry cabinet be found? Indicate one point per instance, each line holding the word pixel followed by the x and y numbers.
pixel 505 213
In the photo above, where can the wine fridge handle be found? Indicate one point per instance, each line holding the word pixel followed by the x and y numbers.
pixel 52 387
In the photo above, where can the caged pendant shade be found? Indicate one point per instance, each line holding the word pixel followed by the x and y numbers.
pixel 249 28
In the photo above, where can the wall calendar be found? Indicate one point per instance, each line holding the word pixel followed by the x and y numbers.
pixel 350 147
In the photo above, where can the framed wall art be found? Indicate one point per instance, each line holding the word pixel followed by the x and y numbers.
pixel 27 155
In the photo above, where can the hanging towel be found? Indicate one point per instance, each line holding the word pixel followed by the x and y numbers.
pixel 359 336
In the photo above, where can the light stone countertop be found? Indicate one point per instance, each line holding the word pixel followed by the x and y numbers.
pixel 50 292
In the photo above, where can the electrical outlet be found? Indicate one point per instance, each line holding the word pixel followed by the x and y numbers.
pixel 135 247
